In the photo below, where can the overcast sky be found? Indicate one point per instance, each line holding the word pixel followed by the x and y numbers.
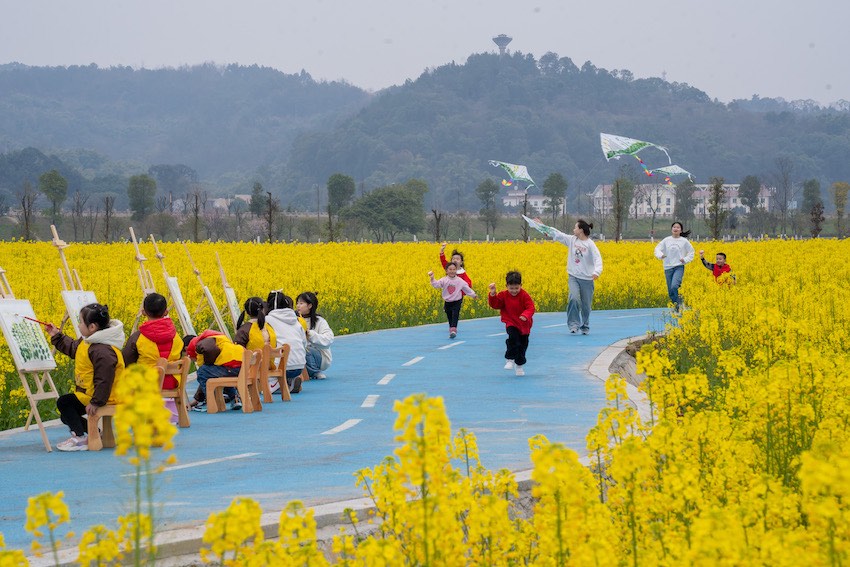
pixel 728 48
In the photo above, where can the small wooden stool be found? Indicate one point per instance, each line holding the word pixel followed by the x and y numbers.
pixel 180 369
pixel 98 441
pixel 270 369
pixel 246 383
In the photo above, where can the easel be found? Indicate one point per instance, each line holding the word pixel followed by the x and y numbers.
pixel 145 279
pixel 176 302
pixel 70 279
pixel 40 377
pixel 209 298
pixel 229 295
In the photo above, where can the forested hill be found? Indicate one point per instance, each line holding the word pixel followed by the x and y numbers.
pixel 215 119
pixel 547 114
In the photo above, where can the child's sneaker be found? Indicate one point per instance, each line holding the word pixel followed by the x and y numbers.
pixel 520 371
pixel 274 385
pixel 200 407
pixel 585 331
pixel 296 385
pixel 236 404
pixel 452 332
pixel 573 330
pixel 320 376
pixel 509 365
pixel 74 444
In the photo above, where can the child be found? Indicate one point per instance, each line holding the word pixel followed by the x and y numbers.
pixel 453 289
pixel 320 337
pixel 675 251
pixel 97 365
pixel 457 258
pixel 253 334
pixel 216 356
pixel 719 268
pixel 517 310
pixel 288 330
pixel 156 338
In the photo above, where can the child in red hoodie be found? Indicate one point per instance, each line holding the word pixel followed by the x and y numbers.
pixel 517 310
pixel 156 338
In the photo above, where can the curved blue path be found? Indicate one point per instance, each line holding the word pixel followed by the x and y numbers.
pixel 309 449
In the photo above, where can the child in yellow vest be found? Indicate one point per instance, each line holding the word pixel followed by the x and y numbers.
pixel 98 364
pixel 215 356
pixel 254 334
pixel 156 338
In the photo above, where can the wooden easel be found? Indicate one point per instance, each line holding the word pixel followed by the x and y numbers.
pixel 40 378
pixel 145 279
pixel 232 306
pixel 209 299
pixel 182 314
pixel 70 279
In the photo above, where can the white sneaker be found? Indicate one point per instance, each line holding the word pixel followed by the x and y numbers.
pixel 320 376
pixel 74 444
pixel 509 365
pixel 274 385
pixel 520 371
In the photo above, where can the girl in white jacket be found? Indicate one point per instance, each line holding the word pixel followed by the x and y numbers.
pixel 288 330
pixel 320 337
pixel 675 251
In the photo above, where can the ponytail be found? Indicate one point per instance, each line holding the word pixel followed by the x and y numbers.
pixel 254 310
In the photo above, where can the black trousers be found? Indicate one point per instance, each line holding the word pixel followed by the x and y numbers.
pixel 452 309
pixel 71 412
pixel 517 344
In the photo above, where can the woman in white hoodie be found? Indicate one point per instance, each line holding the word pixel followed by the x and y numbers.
pixel 320 337
pixel 287 330
pixel 675 251
pixel 98 365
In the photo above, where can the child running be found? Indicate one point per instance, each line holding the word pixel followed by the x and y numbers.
pixel 517 310
pixel 719 268
pixel 453 288
pixel 675 251
pixel 156 338
pixel 97 365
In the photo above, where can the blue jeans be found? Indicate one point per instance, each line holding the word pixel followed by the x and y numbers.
pixel 674 281
pixel 207 371
pixel 579 304
pixel 314 362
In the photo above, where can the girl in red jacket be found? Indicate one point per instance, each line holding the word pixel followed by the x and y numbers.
pixel 517 309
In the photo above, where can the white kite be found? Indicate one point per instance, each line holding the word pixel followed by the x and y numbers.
pixel 614 146
pixel 516 172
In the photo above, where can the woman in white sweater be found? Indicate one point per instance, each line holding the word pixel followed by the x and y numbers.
pixel 675 251
pixel 287 330
pixel 320 337
pixel 584 266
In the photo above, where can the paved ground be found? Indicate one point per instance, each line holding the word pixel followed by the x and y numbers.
pixel 310 448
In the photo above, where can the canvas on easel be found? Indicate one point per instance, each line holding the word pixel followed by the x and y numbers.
pixel 30 352
pixel 145 279
pixel 179 305
pixel 217 318
pixel 74 301
pixel 73 295
pixel 229 295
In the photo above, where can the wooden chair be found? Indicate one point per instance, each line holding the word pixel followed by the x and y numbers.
pixel 246 383
pixel 270 369
pixel 180 369
pixel 98 440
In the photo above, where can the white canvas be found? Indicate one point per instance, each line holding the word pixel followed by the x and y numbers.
pixel 232 304
pixel 74 301
pixel 179 305
pixel 26 340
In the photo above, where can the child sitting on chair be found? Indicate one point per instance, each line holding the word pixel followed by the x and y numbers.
pixel 97 365
pixel 156 338
pixel 288 330
pixel 216 356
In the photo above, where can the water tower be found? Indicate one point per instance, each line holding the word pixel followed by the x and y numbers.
pixel 502 41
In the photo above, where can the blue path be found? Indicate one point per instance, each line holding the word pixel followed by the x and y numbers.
pixel 290 451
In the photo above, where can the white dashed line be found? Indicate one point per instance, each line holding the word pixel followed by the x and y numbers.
pixel 347 425
pixel 413 361
pixel 370 401
pixel 202 463
pixel 497 335
pixel 444 347
pixel 631 316
pixel 386 379
pixel 558 325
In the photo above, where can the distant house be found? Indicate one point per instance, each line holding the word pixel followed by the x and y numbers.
pixel 536 203
pixel 660 198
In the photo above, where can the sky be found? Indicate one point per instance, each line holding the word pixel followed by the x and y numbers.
pixel 730 49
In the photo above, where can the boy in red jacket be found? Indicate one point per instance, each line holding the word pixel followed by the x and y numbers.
pixel 517 310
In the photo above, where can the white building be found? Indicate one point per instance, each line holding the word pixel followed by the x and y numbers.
pixel 536 203
pixel 660 198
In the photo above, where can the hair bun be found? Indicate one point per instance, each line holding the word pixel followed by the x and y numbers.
pixel 590 224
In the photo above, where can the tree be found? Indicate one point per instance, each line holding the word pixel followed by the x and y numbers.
pixel 839 192
pixel 683 210
pixel 622 193
pixel 340 191
pixel 27 198
pixel 716 214
pixel 78 209
pixel 258 199
pixel 813 205
pixel 173 179
pixel 389 210
pixel 196 201
pixel 486 192
pixel 272 206
pixel 55 187
pixel 784 188
pixel 108 214
pixel 141 191
pixel 748 192
pixel 555 191
pixel 437 224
